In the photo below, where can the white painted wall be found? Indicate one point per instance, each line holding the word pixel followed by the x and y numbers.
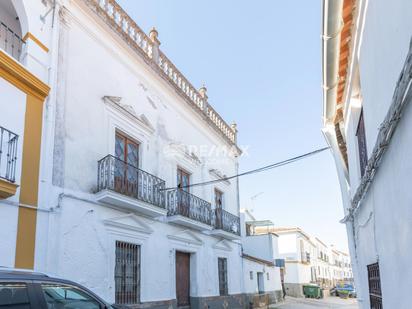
pixel 81 247
pixel 261 246
pixel 382 227
pixel 251 283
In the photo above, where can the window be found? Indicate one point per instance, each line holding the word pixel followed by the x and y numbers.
pixel 126 149
pixel 218 199
pixel 127 273
pixel 65 296
pixel 363 153
pixel 267 276
pixel 375 292
pixel 222 267
pixel 251 275
pixel 183 179
pixel 14 295
pixel 127 159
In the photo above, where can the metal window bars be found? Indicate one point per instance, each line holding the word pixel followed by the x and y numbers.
pixel 374 280
pixel 10 42
pixel 127 273
pixel 8 154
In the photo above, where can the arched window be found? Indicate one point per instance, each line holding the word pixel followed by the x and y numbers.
pixel 10 30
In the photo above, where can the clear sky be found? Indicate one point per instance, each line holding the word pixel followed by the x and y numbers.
pixel 261 63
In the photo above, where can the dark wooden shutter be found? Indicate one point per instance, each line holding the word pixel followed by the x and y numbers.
pixel 363 152
pixel 222 268
pixel 127 273
pixel 375 292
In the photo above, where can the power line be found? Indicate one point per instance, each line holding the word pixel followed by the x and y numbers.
pixel 258 170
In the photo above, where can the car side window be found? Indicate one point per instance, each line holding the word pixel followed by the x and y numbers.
pixel 60 296
pixel 14 295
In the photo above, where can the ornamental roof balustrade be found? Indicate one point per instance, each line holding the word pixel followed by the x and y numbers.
pixel 148 47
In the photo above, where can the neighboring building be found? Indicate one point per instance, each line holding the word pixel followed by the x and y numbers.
pixel 321 264
pixel 24 124
pixel 261 282
pixel 95 187
pixel 260 258
pixel 307 259
pixel 367 121
pixel 298 251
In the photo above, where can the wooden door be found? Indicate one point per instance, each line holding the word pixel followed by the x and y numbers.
pixel 183 278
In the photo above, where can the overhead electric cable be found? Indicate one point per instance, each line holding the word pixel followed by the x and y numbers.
pixel 258 170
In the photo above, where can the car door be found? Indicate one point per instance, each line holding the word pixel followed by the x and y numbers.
pixel 18 294
pixel 55 295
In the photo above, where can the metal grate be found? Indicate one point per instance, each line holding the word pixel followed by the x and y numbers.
pixel 119 176
pixel 222 266
pixel 363 153
pixel 127 273
pixel 375 292
pixel 10 42
pixel 8 154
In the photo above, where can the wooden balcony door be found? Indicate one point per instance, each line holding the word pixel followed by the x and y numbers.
pixel 182 279
pixel 183 200
pixel 126 174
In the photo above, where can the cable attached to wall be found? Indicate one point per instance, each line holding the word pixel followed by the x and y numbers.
pixel 254 171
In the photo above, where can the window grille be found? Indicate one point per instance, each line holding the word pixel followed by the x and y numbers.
pixel 375 292
pixel 127 273
pixel 222 266
pixel 363 153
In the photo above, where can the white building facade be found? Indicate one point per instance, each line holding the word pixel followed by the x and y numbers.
pixel 104 195
pixel 367 122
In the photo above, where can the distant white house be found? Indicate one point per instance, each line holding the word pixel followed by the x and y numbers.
pixel 298 250
pixel 261 273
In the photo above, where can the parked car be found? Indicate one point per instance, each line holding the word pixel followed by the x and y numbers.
pixel 343 290
pixel 24 289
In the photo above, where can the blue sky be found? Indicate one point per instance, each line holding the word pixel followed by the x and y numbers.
pixel 261 62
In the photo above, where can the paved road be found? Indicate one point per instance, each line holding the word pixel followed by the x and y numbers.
pixel 329 302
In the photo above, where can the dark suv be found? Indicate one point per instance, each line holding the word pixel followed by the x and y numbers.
pixel 30 290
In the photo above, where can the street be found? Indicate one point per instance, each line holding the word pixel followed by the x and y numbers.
pixel 329 302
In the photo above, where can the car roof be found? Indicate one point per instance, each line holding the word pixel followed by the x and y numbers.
pixel 14 274
pixel 29 275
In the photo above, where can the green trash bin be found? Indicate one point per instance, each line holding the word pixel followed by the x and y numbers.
pixel 312 291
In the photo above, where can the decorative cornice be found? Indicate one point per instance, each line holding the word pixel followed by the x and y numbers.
pixel 20 77
pixel 129 112
pixel 30 36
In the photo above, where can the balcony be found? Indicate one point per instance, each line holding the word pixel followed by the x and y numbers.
pixel 226 224
pixel 10 42
pixel 8 159
pixel 188 210
pixel 125 186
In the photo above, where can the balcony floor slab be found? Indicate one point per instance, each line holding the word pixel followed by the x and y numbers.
pixel 182 220
pixel 125 202
pixel 224 234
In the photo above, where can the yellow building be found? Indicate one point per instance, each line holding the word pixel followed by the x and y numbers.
pixel 24 74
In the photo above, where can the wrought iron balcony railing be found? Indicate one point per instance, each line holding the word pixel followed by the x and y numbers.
pixel 226 221
pixel 121 177
pixel 180 202
pixel 10 42
pixel 8 154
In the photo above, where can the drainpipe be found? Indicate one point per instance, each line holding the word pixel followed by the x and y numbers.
pixel 331 28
